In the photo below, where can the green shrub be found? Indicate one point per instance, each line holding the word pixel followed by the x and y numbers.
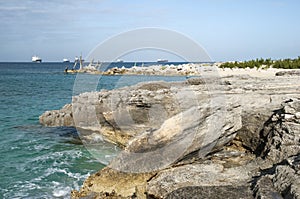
pixel 265 64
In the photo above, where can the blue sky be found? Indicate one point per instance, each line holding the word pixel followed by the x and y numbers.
pixel 227 29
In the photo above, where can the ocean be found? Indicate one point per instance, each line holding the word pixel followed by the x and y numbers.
pixel 38 161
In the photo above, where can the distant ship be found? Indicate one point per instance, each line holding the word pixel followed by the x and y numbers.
pixel 36 59
pixel 162 60
pixel 66 60
pixel 119 61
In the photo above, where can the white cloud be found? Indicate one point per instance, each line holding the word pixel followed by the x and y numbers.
pixel 13 8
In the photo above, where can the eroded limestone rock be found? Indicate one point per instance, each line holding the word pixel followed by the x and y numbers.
pixel 255 152
pixel 281 135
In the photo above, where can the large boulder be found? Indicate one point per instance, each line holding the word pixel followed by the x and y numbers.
pixel 62 117
pixel 199 129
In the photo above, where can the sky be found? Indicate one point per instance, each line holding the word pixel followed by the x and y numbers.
pixel 227 29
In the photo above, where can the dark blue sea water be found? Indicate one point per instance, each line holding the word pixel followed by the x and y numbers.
pixel 37 161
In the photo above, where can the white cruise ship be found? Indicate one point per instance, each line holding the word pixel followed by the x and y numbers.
pixel 65 60
pixel 162 61
pixel 36 59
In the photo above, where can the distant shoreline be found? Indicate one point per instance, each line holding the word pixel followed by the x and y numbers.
pixel 188 69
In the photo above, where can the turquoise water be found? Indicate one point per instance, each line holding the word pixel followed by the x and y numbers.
pixel 37 161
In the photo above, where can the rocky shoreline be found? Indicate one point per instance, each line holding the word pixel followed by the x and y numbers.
pixel 235 136
pixel 189 69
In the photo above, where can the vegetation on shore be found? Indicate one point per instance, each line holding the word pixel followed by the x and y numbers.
pixel 265 64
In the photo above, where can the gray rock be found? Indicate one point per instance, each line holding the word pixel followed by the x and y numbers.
pixel 216 192
pixel 121 114
pixel 288 73
pixel 281 181
pixel 212 129
pixel 281 134
pixel 264 189
pixel 193 130
pixel 199 178
pixel 287 178
pixel 62 117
